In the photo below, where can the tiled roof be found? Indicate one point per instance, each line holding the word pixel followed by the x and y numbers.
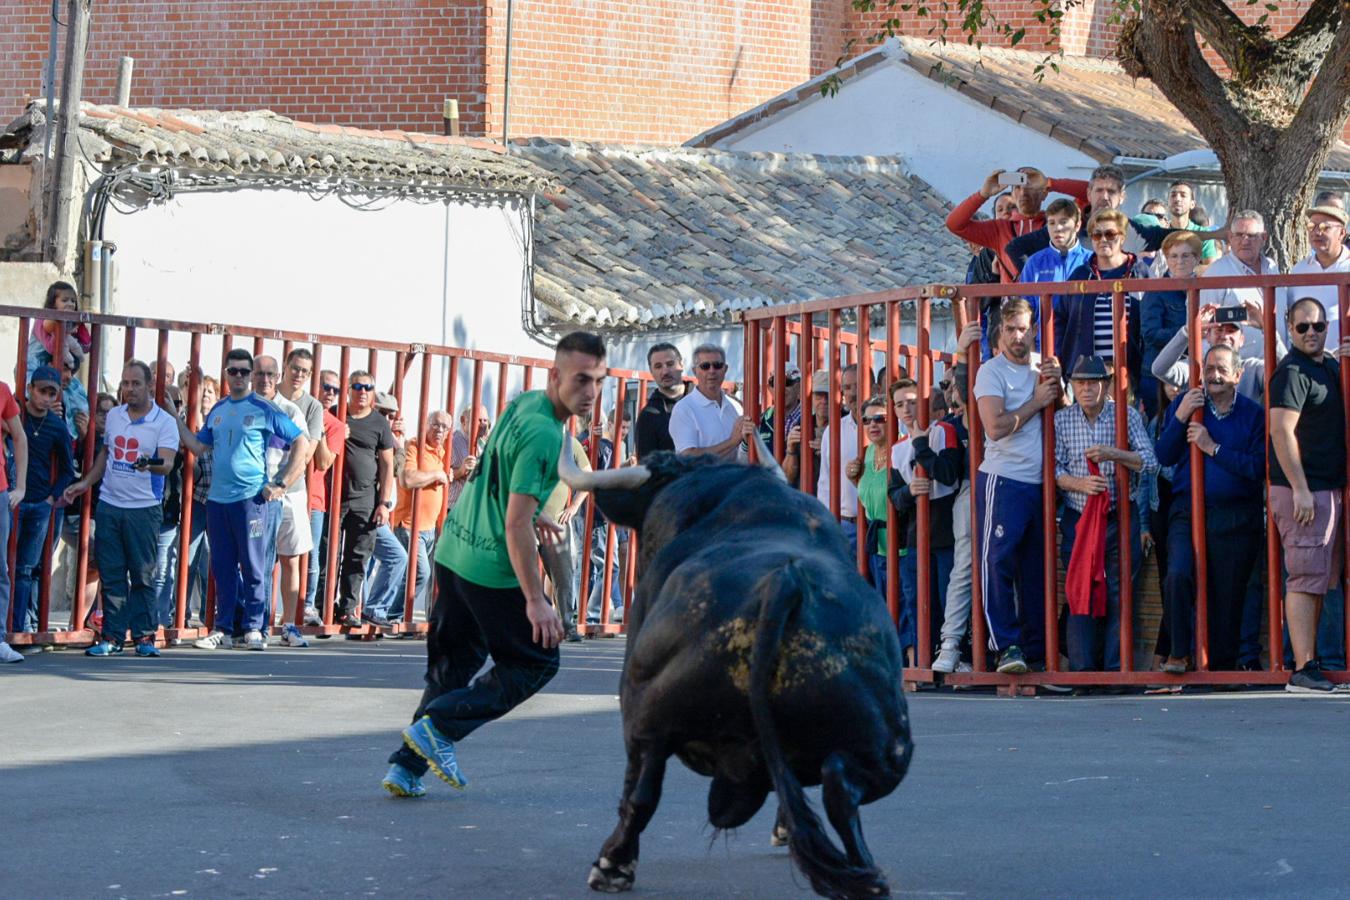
pixel 1090 104
pixel 674 237
pixel 214 143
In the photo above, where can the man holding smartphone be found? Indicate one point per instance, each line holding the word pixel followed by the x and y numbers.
pixel 1029 187
pixel 140 444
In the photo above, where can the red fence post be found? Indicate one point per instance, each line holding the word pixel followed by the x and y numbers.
pixel 833 417
pixel 1274 598
pixel 979 636
pixel 335 496
pixel 924 545
pixel 77 610
pixel 892 436
pixel 1049 558
pixel 863 378
pixel 806 352
pixel 192 409
pixel 1197 463
pixel 1124 540
pixel 780 355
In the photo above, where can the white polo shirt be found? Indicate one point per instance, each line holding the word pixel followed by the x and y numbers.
pixel 1254 345
pixel 848 451
pixel 1323 292
pixel 697 422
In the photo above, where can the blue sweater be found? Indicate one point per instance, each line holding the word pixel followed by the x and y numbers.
pixel 48 442
pixel 1237 472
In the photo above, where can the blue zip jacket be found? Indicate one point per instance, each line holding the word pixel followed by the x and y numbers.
pixel 1237 472
pixel 1161 313
pixel 1043 266
pixel 1074 317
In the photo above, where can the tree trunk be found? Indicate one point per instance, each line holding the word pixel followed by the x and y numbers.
pixel 1255 180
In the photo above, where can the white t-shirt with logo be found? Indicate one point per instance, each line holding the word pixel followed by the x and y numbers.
pixel 127 440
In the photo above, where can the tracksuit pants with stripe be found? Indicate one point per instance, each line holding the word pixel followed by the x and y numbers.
pixel 239 534
pixel 1012 544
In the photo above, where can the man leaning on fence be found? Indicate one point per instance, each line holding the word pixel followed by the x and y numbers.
pixel 707 419
pixel 140 445
pixel 1307 478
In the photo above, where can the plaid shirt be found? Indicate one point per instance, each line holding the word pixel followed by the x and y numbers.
pixel 1074 435
pixel 201 477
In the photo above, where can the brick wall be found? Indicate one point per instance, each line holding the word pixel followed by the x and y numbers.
pixel 375 63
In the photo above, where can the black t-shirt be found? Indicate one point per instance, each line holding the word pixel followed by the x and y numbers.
pixel 370 434
pixel 653 425
pixel 1314 390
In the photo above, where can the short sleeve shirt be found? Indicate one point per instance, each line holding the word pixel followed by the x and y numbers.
pixel 333 436
pixel 9 408
pixel 1017 456
pixel 127 440
pixel 1312 389
pixel 312 410
pixel 370 436
pixel 521 457
pixel 239 433
pixel 277 450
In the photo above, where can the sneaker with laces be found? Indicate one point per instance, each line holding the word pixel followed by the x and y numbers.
pixel 947 659
pixel 1309 680
pixel 147 648
pixel 1012 662
pixel 422 738
pixel 291 637
pixel 312 616
pixel 254 640
pixel 8 654
pixel 402 783
pixel 216 640
pixel 104 648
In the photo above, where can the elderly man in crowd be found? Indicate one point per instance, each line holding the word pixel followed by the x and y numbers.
pixel 1328 255
pixel 653 422
pixel 707 419
pixel 464 456
pixel 1085 439
pixel 424 479
pixel 239 429
pixel 387 569
pixel 1307 477
pixel 1246 242
pixel 1010 392
pixel 848 426
pixel 1231 433
pixel 141 443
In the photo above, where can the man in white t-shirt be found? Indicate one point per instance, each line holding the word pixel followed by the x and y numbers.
pixel 1011 389
pixel 848 451
pixel 1328 256
pixel 140 444
pixel 707 420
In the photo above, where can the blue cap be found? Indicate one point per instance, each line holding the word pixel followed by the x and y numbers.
pixel 45 373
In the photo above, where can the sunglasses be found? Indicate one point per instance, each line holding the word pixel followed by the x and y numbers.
pixel 363 387
pixel 873 420
pixel 711 366
pixel 330 388
pixel 238 372
pixel 1302 327
pixel 1105 235
pixel 1323 227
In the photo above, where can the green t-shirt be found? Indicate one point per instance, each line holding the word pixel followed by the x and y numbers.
pixel 521 457
pixel 872 493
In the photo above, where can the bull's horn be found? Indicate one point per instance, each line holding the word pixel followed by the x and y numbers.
pixel 624 479
pixel 766 459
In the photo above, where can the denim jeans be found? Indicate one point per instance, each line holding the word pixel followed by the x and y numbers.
pixel 599 540
pixel 127 540
pixel 1093 644
pixel 318 557
pixel 385 573
pixel 939 574
pixel 166 574
pixel 32 527
pixel 4 569
pixel 426 546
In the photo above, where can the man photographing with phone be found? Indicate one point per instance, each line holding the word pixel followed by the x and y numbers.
pixel 1221 326
pixel 140 444
pixel 1029 187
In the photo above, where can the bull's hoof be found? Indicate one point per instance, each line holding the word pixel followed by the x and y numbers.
pixel 610 878
pixel 780 836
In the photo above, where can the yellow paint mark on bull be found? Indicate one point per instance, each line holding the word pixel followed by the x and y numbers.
pixel 803 657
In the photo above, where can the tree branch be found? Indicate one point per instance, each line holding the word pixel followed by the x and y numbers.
pixel 1321 16
pixel 1234 40
pixel 1322 114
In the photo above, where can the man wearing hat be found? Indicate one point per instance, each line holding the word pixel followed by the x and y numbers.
pixel 1086 457
pixel 792 402
pixel 367 491
pixel 51 468
pixel 1328 255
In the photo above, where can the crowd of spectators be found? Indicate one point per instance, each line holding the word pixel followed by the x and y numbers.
pixel 254 509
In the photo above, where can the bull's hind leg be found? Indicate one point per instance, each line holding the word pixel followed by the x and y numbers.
pixel 841 794
pixel 780 836
pixel 616 867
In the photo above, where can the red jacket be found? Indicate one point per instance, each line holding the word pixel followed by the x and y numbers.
pixel 996 233
pixel 1085 581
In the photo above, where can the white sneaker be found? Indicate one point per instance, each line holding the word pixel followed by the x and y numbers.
pixel 8 654
pixel 947 659
pixel 254 640
pixel 291 637
pixel 216 640
pixel 312 616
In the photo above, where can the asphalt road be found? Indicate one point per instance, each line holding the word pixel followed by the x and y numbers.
pixel 235 774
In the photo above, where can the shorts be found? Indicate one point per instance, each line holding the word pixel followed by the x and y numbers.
pixel 295 537
pixel 1313 553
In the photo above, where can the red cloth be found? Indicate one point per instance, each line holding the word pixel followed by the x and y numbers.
pixel 1085 582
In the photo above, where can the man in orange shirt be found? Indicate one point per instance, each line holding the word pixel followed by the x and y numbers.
pixel 996 233
pixel 424 471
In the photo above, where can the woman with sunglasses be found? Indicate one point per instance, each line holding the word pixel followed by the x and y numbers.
pixel 871 474
pixel 1083 323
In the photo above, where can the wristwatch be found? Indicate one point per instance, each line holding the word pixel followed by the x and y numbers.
pixel 388 504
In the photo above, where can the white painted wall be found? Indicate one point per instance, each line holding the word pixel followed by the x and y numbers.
pixel 436 272
pixel 944 137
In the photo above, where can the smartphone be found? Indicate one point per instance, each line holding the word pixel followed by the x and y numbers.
pixel 1012 179
pixel 1230 314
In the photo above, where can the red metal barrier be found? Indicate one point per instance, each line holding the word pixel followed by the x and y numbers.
pixel 155 339
pixel 819 333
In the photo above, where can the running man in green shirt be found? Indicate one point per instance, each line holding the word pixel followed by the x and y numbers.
pixel 487 571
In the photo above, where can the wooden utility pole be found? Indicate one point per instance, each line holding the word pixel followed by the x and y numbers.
pixel 62 187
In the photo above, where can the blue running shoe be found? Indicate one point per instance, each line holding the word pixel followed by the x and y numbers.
pixel 146 648
pixel 104 648
pixel 402 783
pixel 422 738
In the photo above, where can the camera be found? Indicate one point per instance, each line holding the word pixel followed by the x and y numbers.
pixel 1012 179
pixel 1235 315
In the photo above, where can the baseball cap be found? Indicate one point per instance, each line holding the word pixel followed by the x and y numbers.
pixel 1334 212
pixel 386 402
pixel 45 373
pixel 792 375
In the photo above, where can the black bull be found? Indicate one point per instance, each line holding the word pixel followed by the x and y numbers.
pixel 758 656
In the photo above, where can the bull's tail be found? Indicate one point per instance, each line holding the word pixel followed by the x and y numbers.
pixel 830 872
